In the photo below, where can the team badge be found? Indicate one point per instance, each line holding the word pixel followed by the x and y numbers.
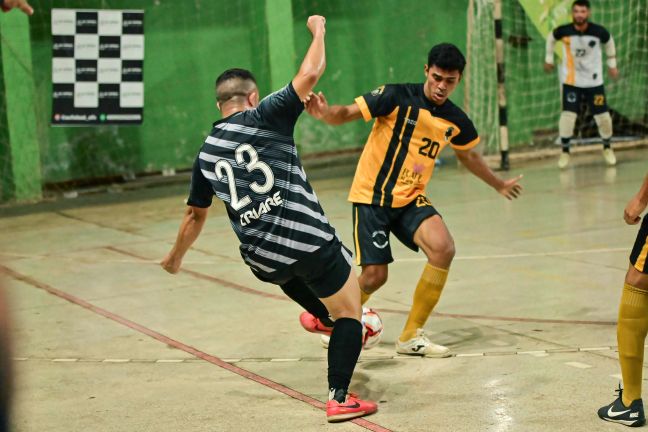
pixel 378 91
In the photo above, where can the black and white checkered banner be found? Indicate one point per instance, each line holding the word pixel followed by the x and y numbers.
pixel 97 66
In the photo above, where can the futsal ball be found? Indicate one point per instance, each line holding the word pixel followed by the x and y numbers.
pixel 372 328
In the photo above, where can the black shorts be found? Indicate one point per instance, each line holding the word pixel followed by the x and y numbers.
pixel 324 271
pixel 372 225
pixel 639 252
pixel 594 97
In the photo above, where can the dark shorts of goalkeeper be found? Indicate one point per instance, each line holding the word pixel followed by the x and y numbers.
pixel 575 97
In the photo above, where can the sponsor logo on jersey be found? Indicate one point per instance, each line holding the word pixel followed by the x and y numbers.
pixel 264 207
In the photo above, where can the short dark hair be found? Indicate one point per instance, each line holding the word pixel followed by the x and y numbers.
pixel 447 57
pixel 585 3
pixel 234 82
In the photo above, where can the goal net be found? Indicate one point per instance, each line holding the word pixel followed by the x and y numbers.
pixel 533 96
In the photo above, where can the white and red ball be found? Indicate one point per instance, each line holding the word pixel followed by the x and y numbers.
pixel 372 328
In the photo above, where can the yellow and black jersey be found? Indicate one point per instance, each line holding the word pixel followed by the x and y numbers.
pixel 409 133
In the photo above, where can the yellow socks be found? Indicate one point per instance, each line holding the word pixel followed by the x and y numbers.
pixel 364 296
pixel 426 296
pixel 631 334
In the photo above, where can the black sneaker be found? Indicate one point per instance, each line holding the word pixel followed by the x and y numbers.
pixel 617 412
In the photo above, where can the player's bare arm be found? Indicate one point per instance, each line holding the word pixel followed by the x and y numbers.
pixel 7 5
pixel 610 54
pixel 637 205
pixel 192 223
pixel 318 107
pixel 549 53
pixel 314 62
pixel 475 163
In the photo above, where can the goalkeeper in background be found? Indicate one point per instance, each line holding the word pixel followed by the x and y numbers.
pixel 581 75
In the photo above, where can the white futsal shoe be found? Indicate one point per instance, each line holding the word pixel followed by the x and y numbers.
pixel 563 160
pixel 610 158
pixel 421 346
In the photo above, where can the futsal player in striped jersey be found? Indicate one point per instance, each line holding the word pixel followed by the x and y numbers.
pixel 632 324
pixel 414 122
pixel 250 161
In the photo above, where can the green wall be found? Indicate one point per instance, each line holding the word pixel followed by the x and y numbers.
pixel 188 43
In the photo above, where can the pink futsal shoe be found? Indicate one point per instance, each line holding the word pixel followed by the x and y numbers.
pixel 350 409
pixel 312 324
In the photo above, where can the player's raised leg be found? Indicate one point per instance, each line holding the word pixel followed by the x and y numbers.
pixel 315 318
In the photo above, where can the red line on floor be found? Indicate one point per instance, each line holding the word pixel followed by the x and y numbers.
pixel 394 311
pixel 184 347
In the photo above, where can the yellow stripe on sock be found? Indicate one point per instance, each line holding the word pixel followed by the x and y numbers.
pixel 355 237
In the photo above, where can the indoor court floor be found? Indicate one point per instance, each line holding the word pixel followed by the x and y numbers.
pixel 107 341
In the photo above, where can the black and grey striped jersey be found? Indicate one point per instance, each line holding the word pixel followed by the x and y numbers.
pixel 250 161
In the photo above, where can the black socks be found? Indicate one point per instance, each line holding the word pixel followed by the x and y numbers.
pixel 344 350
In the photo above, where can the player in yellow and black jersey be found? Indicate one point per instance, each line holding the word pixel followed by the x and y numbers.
pixel 414 122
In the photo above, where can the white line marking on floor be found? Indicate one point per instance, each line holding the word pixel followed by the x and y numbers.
pixel 363 358
pixel 578 365
pixel 617 376
pixel 595 349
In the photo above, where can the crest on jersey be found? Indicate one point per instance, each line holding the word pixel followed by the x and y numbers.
pixel 448 134
pixel 378 91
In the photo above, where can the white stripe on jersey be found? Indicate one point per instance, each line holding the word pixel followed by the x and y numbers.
pixel 297 189
pixel 251 131
pixel 291 244
pixel 209 175
pixel 305 210
pixel 346 256
pixel 272 255
pixel 297 226
pixel 231 145
pixel 259 266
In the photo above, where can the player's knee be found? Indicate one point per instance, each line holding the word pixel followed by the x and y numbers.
pixel 604 123
pixel 567 123
pixel 440 251
pixel 637 279
pixel 447 250
pixel 372 278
